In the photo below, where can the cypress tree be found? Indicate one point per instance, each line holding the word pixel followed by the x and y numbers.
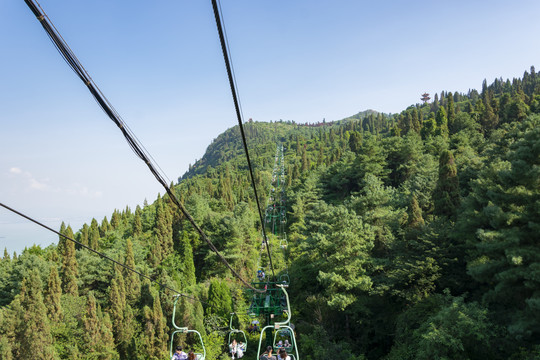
pixel 305 161
pixel 187 259
pixel 69 266
pixel 94 239
pixel 52 296
pixel 118 305
pixel 115 219
pixel 164 227
pixel 61 239
pixel 161 336
pixel 33 332
pixel 98 337
pixel 92 333
pixel 219 299
pixel 94 235
pixel 84 234
pixel 105 226
pixel 107 337
pixel 442 122
pixel 488 119
pixel 446 194
pixel 6 353
pixel 415 214
pixel 415 121
pixel 451 113
pixel 133 285
pixel 6 254
pixel 137 223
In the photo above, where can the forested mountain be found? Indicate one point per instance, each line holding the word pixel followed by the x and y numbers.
pixel 411 236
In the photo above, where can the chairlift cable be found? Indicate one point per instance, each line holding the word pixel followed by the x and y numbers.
pixel 234 91
pixel 162 286
pixel 107 107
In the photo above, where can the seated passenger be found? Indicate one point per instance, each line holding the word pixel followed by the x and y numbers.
pixel 240 350
pixel 286 344
pixel 179 354
pixel 283 354
pixel 267 355
pixel 233 348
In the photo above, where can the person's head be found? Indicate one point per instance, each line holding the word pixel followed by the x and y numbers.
pixel 269 349
pixel 234 341
pixel 282 353
pixel 178 349
pixel 191 355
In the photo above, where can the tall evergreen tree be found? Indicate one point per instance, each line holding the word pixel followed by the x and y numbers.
pixel 164 227
pixel 446 194
pixel 84 234
pixel 442 122
pixel 415 214
pixel 133 283
pixel 451 112
pixel 92 333
pixel 69 266
pixel 137 222
pixel 219 299
pixel 33 332
pixel 52 296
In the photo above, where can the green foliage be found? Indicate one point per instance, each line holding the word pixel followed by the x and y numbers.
pixel 219 299
pixel 377 230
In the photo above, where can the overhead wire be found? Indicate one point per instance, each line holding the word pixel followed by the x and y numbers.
pixel 133 142
pixel 106 257
pixel 236 100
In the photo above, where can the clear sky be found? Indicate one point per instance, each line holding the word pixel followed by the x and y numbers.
pixel 160 64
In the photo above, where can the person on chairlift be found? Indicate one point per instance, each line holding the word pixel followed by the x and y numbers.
pixel 179 354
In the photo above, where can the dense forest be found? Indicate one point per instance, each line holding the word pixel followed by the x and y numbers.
pixel 411 236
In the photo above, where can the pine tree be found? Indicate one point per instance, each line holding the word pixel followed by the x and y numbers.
pixel 69 266
pixel 6 255
pixel 446 194
pixel 52 296
pixel 33 332
pixel 502 222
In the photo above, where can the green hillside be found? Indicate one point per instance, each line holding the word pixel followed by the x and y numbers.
pixel 411 236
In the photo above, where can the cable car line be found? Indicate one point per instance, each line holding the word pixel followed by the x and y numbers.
pixel 234 91
pixel 133 142
pixel 163 286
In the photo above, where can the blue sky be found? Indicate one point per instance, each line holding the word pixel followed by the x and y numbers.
pixel 160 65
